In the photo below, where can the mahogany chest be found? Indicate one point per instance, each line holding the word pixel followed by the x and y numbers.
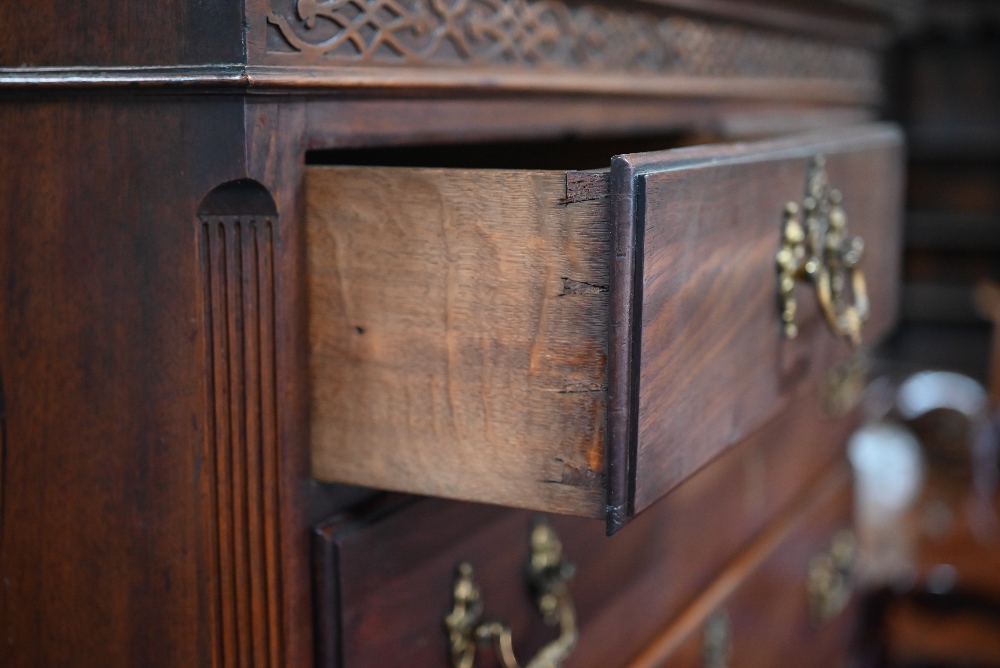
pixel 396 332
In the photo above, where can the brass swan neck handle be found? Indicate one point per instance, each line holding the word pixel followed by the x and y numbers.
pixel 819 250
pixel 548 574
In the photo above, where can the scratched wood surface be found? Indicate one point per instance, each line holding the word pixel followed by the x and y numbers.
pixel 457 325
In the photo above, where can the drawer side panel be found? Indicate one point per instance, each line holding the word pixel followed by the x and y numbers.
pixel 458 335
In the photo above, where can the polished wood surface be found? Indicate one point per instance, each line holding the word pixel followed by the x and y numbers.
pixel 333 123
pixel 236 256
pixel 706 339
pixel 51 34
pixel 573 47
pixel 763 596
pixel 133 538
pixel 155 487
pixel 424 282
pixel 379 608
pixel 126 490
pixel 104 556
pixel 577 47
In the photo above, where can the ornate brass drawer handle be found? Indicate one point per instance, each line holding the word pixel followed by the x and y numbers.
pixel 821 251
pixel 548 575
pixel 831 577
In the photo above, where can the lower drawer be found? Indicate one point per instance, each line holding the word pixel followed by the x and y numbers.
pixel 384 574
pixel 784 602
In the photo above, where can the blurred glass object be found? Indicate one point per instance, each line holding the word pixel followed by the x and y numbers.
pixel 950 414
pixel 925 466
pixel 889 474
pixel 930 390
pixel 886 458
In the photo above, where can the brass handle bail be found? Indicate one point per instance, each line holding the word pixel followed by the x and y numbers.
pixel 548 574
pixel 821 252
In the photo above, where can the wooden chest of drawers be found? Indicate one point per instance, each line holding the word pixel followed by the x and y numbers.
pixel 529 253
pixel 385 571
pixel 571 342
pixel 784 601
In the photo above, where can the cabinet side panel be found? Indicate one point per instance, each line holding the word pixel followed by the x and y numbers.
pixel 102 556
pixel 49 33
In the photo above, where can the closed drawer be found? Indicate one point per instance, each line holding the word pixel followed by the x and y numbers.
pixel 384 574
pixel 576 342
pixel 784 602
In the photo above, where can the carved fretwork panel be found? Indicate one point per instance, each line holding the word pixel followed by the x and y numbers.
pixel 241 454
pixel 544 35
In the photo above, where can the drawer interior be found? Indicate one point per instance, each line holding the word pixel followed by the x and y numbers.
pixel 559 153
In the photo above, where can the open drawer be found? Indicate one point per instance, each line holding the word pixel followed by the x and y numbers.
pixel 582 342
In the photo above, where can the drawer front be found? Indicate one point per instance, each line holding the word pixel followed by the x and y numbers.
pixel 785 601
pixel 385 574
pixel 698 356
pixel 577 343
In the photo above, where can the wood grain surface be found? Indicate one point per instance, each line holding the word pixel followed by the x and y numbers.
pixel 457 329
pixel 103 555
pixel 763 595
pixel 236 254
pixel 49 33
pixel 461 320
pixel 334 122
pixel 186 32
pixel 629 48
pixel 384 572
pixel 713 364
pixel 153 505
pixel 106 505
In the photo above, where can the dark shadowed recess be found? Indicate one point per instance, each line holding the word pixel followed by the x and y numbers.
pixel 243 197
pixel 565 153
